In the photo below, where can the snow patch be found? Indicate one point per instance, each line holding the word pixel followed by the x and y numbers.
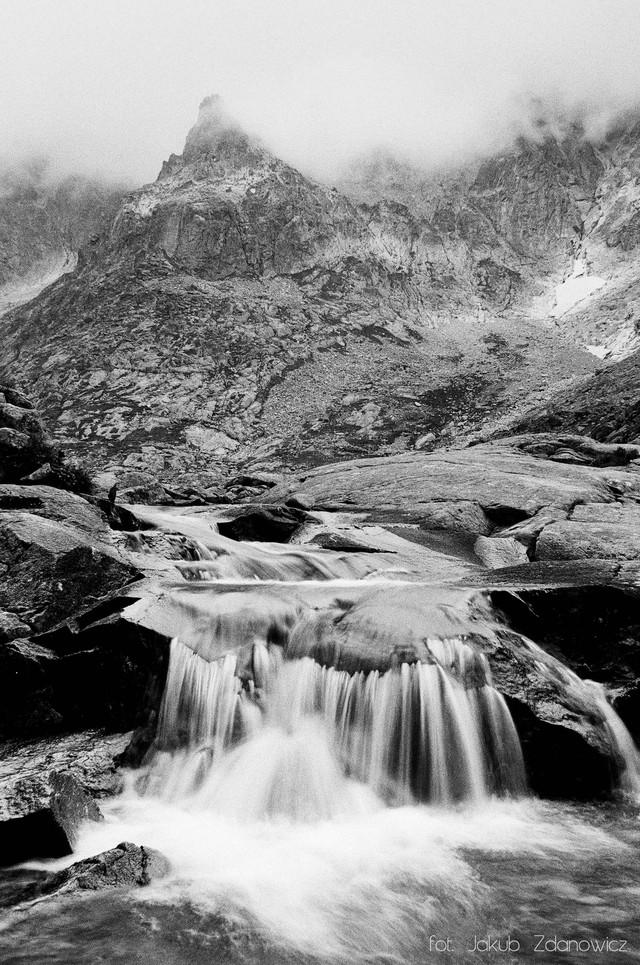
pixel 576 288
pixel 600 351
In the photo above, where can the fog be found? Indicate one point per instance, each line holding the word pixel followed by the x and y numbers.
pixel 110 87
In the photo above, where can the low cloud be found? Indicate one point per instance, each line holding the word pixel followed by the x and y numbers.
pixel 110 87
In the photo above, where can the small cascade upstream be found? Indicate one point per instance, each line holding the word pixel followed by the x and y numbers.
pixel 303 734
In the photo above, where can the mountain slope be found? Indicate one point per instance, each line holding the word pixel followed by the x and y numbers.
pixel 235 309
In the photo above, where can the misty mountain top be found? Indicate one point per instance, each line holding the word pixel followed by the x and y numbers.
pixel 438 83
pixel 217 131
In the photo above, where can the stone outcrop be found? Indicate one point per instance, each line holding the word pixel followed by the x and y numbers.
pixel 492 489
pixel 96 670
pixel 60 559
pixel 125 866
pixel 49 570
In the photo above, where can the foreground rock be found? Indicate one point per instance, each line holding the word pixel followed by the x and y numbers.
pixel 125 866
pixel 59 558
pixel 49 787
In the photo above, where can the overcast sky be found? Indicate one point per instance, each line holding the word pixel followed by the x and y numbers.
pixel 113 85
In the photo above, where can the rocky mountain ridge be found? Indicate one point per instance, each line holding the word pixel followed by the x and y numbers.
pixel 237 312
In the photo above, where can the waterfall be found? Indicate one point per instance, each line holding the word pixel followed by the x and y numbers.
pixel 303 740
pixel 621 742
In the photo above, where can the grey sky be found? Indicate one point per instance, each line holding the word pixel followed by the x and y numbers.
pixel 113 85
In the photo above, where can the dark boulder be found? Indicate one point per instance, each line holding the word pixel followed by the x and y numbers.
pixel 26 697
pixel 594 630
pixel 270 525
pixel 99 669
pixel 560 763
pixel 256 480
pixel 300 501
pixel 340 542
pixel 118 517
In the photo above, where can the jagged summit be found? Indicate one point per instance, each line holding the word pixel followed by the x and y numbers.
pixel 215 132
pixel 217 141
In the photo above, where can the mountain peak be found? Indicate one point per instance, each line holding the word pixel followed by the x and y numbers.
pixel 215 132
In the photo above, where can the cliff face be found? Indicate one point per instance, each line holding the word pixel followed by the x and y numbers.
pixel 234 308
pixel 552 227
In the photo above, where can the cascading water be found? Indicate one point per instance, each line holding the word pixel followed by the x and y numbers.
pixel 306 732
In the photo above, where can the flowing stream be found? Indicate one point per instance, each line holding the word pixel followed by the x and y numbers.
pixel 316 812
